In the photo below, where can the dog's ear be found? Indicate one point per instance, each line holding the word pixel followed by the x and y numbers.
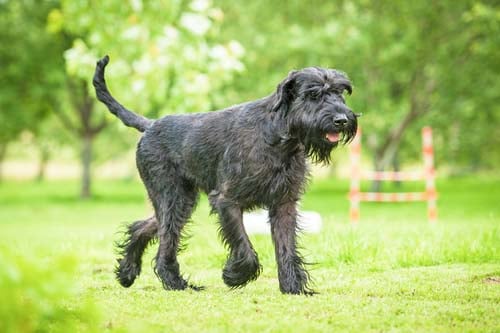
pixel 285 92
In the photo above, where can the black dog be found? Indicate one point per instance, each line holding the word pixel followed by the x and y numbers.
pixel 246 156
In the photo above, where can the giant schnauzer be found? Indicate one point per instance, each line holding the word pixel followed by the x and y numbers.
pixel 246 156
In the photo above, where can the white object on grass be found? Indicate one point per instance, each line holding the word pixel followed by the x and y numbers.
pixel 257 222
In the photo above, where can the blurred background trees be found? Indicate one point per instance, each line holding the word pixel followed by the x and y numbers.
pixel 31 70
pixel 412 63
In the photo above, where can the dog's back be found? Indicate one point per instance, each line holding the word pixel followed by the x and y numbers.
pixel 192 143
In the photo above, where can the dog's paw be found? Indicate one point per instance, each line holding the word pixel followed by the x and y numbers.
pixel 175 283
pixel 239 272
pixel 126 273
pixel 298 291
pixel 170 277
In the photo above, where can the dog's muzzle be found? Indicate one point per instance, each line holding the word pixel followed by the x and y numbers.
pixel 342 126
pixel 340 121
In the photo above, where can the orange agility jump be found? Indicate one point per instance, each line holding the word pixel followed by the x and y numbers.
pixel 428 175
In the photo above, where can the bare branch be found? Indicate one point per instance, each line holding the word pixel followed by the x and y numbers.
pixel 97 129
pixel 65 120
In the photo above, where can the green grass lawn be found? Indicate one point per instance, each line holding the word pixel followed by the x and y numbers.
pixel 392 272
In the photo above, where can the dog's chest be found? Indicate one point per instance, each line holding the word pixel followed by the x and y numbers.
pixel 266 178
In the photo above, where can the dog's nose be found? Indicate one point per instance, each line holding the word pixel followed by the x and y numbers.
pixel 340 120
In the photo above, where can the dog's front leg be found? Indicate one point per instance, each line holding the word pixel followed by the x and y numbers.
pixel 292 275
pixel 242 265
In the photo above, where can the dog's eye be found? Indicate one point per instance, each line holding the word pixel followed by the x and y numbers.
pixel 342 93
pixel 314 95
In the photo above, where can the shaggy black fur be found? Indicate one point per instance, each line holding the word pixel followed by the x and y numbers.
pixel 246 156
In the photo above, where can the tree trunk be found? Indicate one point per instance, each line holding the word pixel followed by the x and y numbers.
pixel 3 153
pixel 419 105
pixel 86 159
pixel 386 153
pixel 83 106
pixel 396 167
pixel 379 166
pixel 42 165
pixel 377 184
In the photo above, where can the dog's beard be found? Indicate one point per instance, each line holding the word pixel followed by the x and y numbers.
pixel 317 130
pixel 319 152
pixel 319 145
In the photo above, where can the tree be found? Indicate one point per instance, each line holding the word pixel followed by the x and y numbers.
pixel 49 138
pixel 424 49
pixel 82 103
pixel 411 63
pixel 165 59
pixel 30 75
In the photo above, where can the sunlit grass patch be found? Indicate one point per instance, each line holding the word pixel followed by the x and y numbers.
pixel 393 271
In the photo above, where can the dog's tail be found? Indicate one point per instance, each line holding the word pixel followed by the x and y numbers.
pixel 128 117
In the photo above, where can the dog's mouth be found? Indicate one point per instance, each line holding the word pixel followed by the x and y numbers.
pixel 332 137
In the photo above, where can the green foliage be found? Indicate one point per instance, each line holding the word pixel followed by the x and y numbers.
pixel 164 63
pixel 412 63
pixel 165 56
pixel 37 295
pixel 473 94
pixel 31 67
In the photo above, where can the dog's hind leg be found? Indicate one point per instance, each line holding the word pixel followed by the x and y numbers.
pixel 292 275
pixel 173 203
pixel 138 235
pixel 242 265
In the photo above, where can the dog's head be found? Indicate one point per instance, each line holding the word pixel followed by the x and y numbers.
pixel 312 103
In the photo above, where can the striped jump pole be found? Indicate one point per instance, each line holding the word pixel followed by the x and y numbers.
pixel 427 175
pixel 430 185
pixel 354 195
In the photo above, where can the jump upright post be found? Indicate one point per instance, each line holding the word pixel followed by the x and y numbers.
pixel 427 174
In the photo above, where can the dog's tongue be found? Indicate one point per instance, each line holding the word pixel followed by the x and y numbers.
pixel 333 137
